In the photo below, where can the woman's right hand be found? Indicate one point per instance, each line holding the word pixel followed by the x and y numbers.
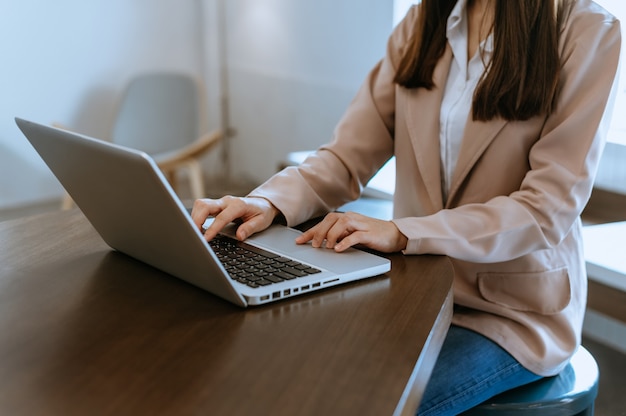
pixel 255 214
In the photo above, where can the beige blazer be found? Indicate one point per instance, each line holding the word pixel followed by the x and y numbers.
pixel 511 224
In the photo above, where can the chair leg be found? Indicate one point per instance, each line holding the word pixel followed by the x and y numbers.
pixel 67 203
pixel 195 178
pixel 171 178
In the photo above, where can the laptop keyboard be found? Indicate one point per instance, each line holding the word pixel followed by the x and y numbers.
pixel 254 266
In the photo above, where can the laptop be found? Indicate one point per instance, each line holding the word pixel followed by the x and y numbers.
pixel 129 202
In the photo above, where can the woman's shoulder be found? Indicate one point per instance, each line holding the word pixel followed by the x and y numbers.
pixel 586 12
pixel 404 28
pixel 584 22
pixel 402 33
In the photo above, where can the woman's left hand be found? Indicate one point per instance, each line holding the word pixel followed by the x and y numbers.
pixel 339 231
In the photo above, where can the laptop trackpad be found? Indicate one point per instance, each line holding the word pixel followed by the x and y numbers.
pixel 277 238
pixel 280 239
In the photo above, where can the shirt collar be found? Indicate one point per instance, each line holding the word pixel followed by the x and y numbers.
pixel 457 16
pixel 457 26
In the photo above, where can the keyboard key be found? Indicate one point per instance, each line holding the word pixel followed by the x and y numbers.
pixel 295 272
pixel 285 276
pixel 256 267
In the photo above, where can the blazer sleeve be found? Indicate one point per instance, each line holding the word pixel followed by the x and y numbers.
pixel 362 142
pixel 563 162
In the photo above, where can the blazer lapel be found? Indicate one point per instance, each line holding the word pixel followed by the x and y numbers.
pixel 476 139
pixel 422 115
pixel 423 111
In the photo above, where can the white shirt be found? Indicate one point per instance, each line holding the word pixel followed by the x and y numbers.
pixel 459 91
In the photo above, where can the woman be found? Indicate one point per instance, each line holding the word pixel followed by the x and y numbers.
pixel 495 113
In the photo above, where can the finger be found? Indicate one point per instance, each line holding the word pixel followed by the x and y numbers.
pixel 309 235
pixel 252 215
pixel 345 244
pixel 351 240
pixel 215 227
pixel 381 235
pixel 225 211
pixel 251 226
pixel 305 237
pixel 345 225
pixel 317 234
pixel 221 220
pixel 314 235
pixel 202 209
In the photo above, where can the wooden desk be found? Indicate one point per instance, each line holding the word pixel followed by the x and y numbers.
pixel 85 330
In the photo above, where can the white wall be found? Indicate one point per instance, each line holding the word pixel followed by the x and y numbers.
pixel 293 67
pixel 67 60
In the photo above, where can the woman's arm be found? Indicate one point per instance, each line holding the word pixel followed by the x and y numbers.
pixel 363 141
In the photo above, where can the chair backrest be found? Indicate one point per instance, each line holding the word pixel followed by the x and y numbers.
pixel 159 112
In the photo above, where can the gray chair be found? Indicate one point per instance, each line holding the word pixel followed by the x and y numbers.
pixel 160 113
pixel 570 393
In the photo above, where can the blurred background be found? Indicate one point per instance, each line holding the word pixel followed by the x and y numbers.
pixel 283 72
pixel 278 75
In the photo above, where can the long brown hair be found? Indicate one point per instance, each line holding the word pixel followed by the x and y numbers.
pixel 522 77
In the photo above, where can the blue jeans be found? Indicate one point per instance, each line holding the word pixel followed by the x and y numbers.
pixel 470 369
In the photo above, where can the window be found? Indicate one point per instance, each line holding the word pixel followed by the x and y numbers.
pixel 617 131
pixel 400 7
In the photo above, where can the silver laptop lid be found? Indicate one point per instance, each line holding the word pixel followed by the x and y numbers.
pixel 152 226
